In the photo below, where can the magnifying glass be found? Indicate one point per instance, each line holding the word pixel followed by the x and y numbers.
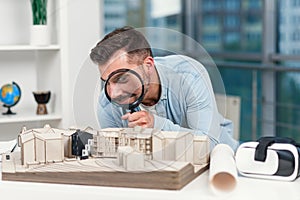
pixel 125 88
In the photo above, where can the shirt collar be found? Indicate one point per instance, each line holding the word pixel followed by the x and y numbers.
pixel 161 70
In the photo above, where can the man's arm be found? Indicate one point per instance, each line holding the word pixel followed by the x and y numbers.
pixel 108 115
pixel 202 117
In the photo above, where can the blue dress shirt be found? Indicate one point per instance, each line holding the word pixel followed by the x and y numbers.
pixel 187 102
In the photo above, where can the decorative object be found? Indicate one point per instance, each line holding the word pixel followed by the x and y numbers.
pixel 42 98
pixel 10 95
pixel 39 34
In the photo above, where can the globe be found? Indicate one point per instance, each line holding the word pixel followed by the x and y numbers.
pixel 10 95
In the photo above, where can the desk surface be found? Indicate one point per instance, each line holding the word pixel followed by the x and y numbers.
pixel 247 188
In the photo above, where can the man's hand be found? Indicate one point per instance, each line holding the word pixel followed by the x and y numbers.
pixel 140 118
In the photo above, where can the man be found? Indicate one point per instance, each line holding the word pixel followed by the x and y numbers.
pixel 177 93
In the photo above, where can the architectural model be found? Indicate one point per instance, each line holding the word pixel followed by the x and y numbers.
pixel 123 157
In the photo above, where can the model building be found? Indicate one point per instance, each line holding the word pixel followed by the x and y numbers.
pixel 46 152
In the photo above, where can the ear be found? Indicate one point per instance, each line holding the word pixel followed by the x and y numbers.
pixel 149 63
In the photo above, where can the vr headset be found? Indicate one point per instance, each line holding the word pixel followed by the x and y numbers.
pixel 273 158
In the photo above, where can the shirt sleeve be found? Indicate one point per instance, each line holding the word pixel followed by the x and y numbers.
pixel 108 115
pixel 202 116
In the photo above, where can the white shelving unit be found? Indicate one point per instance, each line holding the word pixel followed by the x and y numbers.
pixel 75 29
pixel 27 48
pixel 28 117
pixel 34 68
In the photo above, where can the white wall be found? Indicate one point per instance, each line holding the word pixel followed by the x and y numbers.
pixel 83 32
pixel 15 18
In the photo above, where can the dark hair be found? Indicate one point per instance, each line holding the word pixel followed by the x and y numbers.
pixel 126 38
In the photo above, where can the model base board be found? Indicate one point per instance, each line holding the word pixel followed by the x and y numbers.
pixel 171 175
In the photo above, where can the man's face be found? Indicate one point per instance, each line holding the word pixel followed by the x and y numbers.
pixel 122 87
pixel 118 61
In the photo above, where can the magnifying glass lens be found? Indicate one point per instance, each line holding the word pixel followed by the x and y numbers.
pixel 124 88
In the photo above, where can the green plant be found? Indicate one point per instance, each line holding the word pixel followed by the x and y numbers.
pixel 39 11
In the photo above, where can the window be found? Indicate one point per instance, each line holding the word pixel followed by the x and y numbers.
pixel 211 20
pixel 211 5
pixel 232 21
pixel 295 3
pixel 232 5
pixel 145 13
pixel 288 85
pixel 142 13
pixel 238 23
pixel 296 20
pixel 296 35
pixel 258 60
pixel 254 4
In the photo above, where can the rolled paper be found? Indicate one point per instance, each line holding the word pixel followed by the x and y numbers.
pixel 222 170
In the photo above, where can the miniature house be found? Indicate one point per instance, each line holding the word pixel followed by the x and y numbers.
pixel 80 142
pixel 170 145
pixel 68 143
pixel 130 159
pixel 120 155
pixel 27 143
pixel 154 144
pixel 41 145
pixel 130 146
pixel 49 147
pixel 107 141
pixel 68 134
pixel 201 150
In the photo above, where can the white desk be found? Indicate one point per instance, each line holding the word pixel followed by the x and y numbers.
pixel 247 188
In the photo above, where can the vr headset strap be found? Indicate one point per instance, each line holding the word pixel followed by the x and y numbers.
pixel 265 142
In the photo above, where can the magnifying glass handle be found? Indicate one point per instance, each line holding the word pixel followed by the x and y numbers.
pixel 135 109
pixel 131 110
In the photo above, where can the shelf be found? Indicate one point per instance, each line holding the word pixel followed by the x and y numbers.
pixel 27 47
pixel 28 117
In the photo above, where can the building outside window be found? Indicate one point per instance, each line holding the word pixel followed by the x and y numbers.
pixel 288 110
pixel 255 44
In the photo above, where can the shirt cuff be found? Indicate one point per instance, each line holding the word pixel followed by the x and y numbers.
pixel 162 123
pixel 159 122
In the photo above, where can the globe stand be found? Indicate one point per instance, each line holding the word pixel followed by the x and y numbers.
pixel 8 112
